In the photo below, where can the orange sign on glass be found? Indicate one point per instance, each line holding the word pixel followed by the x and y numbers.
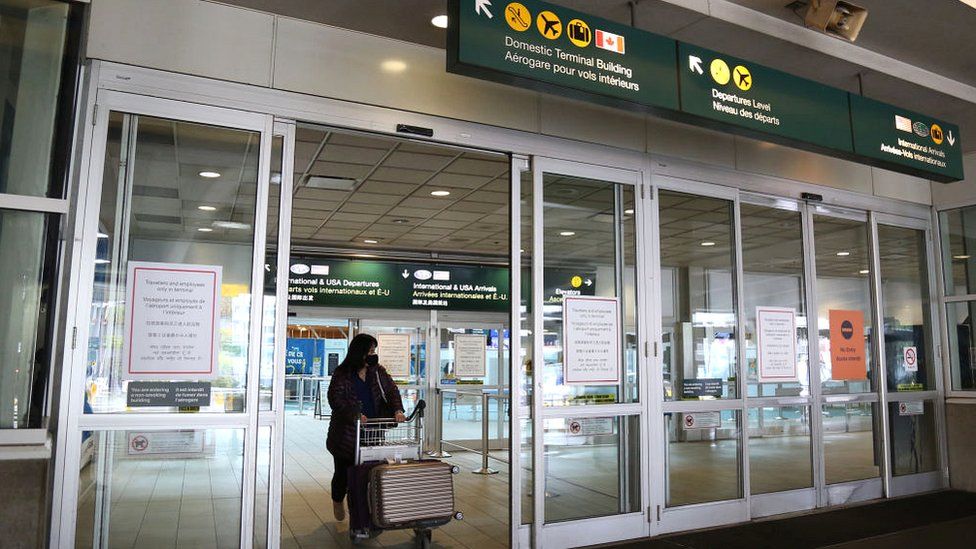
pixel 847 358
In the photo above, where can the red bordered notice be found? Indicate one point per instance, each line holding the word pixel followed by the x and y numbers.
pixel 591 340
pixel 171 321
pixel 776 339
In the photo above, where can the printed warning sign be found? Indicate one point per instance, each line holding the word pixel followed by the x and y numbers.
pixel 847 348
pixel 910 357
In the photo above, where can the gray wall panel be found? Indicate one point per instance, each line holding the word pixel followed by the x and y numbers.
pixel 187 36
pixel 321 60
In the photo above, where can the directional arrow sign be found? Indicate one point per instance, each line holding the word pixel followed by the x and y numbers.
pixel 481 7
pixel 694 64
pixel 405 273
pixel 586 60
pixel 950 138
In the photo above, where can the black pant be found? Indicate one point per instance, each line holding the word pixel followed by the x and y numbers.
pixel 340 479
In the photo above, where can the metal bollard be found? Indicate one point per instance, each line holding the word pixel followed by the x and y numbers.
pixel 484 470
pixel 439 427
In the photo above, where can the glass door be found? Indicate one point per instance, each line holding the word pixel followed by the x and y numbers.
pixel 701 468
pixel 589 421
pixel 851 446
pixel 164 367
pixel 472 378
pixel 913 390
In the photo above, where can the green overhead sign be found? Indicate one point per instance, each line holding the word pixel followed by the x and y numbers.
pixel 554 49
pixel 734 91
pixel 911 139
pixel 344 283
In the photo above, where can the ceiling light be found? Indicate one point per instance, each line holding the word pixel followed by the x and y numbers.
pixel 331 183
pixel 209 175
pixel 205 230
pixel 370 241
pixel 439 193
pixel 961 256
pixel 567 233
pixel 843 254
pixel 231 225
pixel 629 211
pixel 393 66
pixel 439 21
pixel 401 221
pixel 207 208
pixel 708 243
pixel 102 262
pixel 863 271
pixel 102 235
pixel 970 3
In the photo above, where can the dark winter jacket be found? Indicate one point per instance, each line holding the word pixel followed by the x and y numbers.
pixel 341 441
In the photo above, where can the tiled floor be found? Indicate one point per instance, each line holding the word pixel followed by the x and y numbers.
pixel 192 499
pixel 307 519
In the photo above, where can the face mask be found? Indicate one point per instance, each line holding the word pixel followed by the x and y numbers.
pixel 372 360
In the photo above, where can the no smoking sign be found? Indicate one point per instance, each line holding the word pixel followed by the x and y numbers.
pixel 911 359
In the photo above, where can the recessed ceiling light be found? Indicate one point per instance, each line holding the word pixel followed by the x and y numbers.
pixel 708 243
pixel 102 235
pixel 439 21
pixel 401 221
pixel 364 255
pixel 102 262
pixel 960 257
pixel 207 208
pixel 567 233
pixel 863 271
pixel 843 254
pixel 205 230
pixel 629 211
pixel 970 3
pixel 370 241
pixel 231 225
pixel 439 193
pixel 393 66
pixel 209 174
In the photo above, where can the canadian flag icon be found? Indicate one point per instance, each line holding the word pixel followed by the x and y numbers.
pixel 609 41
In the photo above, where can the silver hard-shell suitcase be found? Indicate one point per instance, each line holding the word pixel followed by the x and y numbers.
pixel 415 494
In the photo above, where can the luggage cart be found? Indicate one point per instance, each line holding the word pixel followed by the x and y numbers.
pixel 409 491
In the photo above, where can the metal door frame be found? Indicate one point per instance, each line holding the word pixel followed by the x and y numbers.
pixel 72 419
pixel 613 527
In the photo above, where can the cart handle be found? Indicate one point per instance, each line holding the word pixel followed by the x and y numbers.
pixel 418 411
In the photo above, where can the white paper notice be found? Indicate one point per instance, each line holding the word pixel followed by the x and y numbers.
pixel 469 355
pixel 591 340
pixel 171 321
pixel 776 327
pixel 394 353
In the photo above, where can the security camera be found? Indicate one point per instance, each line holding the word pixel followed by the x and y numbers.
pixel 836 18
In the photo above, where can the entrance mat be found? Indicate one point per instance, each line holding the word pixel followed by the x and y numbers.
pixel 824 528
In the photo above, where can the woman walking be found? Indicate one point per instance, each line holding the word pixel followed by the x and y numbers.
pixel 360 389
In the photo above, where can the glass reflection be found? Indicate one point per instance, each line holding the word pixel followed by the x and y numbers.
pixel 590 251
pixel 697 297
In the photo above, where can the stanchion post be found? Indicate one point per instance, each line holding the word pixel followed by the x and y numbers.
pixel 439 426
pixel 484 470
